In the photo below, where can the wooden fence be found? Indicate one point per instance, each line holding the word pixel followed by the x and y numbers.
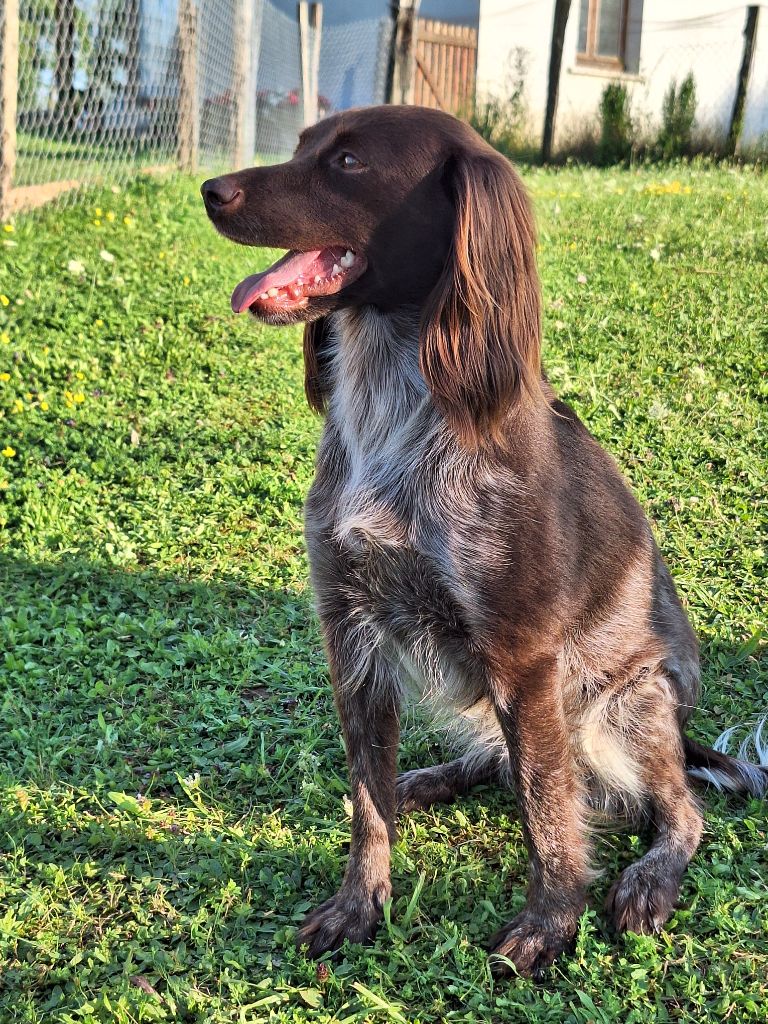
pixel 446 63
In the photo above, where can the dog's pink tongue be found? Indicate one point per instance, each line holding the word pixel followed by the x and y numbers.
pixel 292 266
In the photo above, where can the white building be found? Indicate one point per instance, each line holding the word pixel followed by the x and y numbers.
pixel 644 43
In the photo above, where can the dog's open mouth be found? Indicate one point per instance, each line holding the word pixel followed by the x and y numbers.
pixel 296 278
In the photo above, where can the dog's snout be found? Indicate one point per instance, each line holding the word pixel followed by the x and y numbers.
pixel 221 193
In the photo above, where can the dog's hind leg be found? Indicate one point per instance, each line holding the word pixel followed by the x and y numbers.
pixel 442 783
pixel 632 739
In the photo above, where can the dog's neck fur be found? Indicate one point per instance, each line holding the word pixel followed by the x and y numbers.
pixel 376 383
pixel 380 404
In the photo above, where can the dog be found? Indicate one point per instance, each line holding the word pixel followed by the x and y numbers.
pixel 468 539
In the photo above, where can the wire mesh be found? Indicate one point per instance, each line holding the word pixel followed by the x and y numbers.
pixel 109 87
pixel 710 51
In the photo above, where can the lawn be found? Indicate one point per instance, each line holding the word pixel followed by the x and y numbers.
pixel 41 159
pixel 172 781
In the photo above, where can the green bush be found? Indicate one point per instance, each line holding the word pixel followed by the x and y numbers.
pixel 678 117
pixel 616 128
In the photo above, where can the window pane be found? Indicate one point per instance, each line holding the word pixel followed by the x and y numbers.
pixel 583 19
pixel 609 28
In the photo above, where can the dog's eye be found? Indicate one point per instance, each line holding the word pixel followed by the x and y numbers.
pixel 349 161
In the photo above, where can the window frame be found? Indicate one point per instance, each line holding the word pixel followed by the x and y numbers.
pixel 590 58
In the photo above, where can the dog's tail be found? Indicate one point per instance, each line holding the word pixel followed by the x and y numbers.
pixel 738 774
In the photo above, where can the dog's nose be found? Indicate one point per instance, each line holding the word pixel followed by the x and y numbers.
pixel 219 193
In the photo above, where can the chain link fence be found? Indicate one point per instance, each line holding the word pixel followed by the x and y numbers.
pixel 96 90
pixel 93 91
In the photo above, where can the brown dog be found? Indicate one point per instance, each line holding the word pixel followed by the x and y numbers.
pixel 466 535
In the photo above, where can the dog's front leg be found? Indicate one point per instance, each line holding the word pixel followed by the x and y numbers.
pixel 367 699
pixel 529 709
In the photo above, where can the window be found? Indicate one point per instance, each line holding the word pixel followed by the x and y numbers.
pixel 603 33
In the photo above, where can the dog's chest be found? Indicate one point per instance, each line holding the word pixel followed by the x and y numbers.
pixel 382 503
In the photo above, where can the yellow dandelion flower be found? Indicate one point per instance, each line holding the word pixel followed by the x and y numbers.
pixel 18 405
pixel 5 376
pixel 110 216
pixel 3 485
pixel 161 255
pixel 78 397
pixel 5 338
pixel 98 323
pixel 4 300
pixel 97 211
pixel 29 396
pixel 44 406
pixel 9 228
pixel 186 280
pixel 97 222
pixel 80 375
pixel 46 350
pixel 127 221
pixel 8 452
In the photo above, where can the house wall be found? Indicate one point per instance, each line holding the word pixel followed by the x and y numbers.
pixel 702 36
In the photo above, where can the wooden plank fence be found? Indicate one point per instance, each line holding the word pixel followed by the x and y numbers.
pixel 446 63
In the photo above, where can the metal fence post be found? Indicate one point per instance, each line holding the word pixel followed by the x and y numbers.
pixel 562 8
pixel 189 113
pixel 9 84
pixel 737 116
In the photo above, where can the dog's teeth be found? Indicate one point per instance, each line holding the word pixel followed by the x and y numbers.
pixel 347 261
pixel 272 293
pixel 299 280
pixel 263 295
pixel 336 270
pixel 295 292
pixel 318 279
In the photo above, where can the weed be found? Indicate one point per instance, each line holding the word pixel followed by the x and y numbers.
pixel 616 129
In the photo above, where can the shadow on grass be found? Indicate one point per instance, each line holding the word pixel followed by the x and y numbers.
pixel 209 698
pixel 161 673
pixel 171 796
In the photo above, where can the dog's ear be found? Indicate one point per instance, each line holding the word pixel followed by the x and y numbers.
pixel 316 344
pixel 481 326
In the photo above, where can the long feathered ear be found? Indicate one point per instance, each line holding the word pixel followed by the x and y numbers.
pixel 481 326
pixel 316 342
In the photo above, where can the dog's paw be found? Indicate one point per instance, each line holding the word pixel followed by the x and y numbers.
pixel 641 899
pixel 420 788
pixel 347 915
pixel 532 942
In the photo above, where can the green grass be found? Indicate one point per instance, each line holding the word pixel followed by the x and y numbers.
pixel 41 159
pixel 172 780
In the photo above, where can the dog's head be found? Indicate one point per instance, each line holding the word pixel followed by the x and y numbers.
pixel 392 207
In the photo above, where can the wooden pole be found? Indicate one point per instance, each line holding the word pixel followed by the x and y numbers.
pixel 401 60
pixel 9 87
pixel 737 117
pixel 562 9
pixel 306 60
pixel 247 40
pixel 316 24
pixel 310 33
pixel 189 115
